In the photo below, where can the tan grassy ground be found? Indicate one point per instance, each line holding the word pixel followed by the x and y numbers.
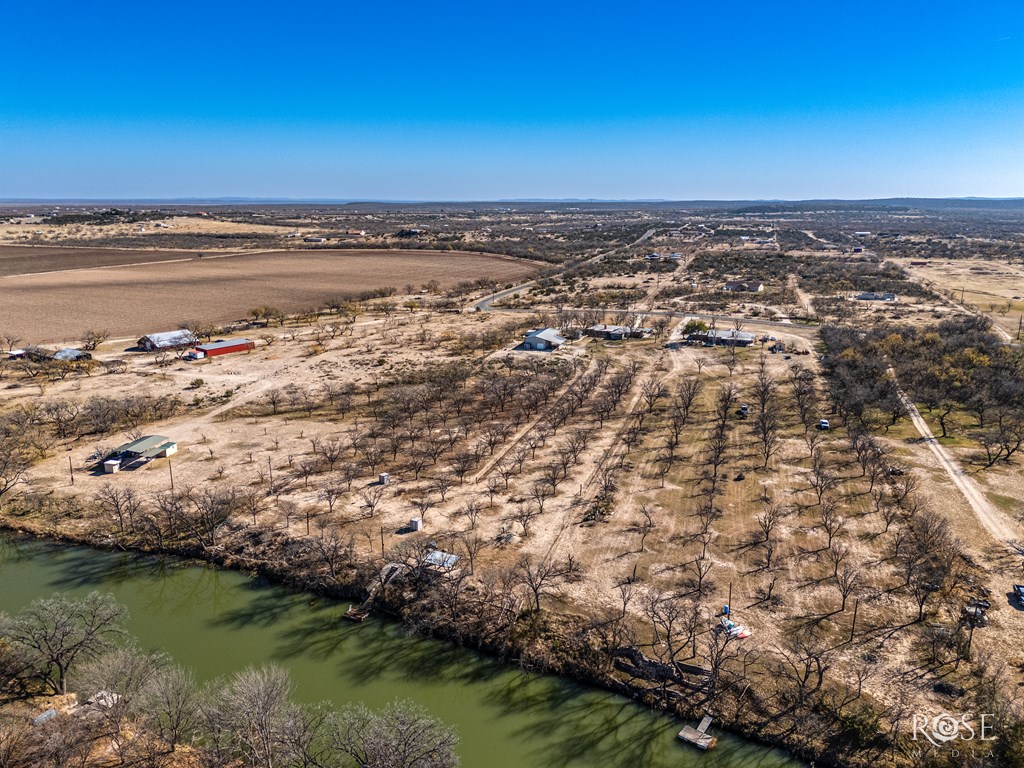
pixel 237 443
pixel 987 285
pixel 221 446
pixel 32 232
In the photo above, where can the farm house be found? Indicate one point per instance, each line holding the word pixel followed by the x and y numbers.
pixel 617 332
pixel 731 338
pixel 543 339
pixel 217 348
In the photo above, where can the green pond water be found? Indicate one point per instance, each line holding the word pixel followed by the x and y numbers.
pixel 218 622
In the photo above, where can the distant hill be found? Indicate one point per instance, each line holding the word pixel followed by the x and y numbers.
pixel 891 204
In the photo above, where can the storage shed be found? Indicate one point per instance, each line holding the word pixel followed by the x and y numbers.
pixel 224 347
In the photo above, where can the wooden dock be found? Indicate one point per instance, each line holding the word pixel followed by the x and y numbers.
pixel 699 736
pixel 356 613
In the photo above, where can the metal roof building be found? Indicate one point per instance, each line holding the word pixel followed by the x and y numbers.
pixel 543 339
pixel 71 354
pixel 224 347
pixel 167 340
pixel 148 447
pixel 441 560
pixel 729 338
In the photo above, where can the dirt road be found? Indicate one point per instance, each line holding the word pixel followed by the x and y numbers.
pixel 484 304
pixel 993 521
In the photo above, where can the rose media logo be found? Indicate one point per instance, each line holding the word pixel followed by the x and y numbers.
pixel 956 732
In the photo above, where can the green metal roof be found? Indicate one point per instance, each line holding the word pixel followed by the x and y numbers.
pixel 143 444
pixel 157 450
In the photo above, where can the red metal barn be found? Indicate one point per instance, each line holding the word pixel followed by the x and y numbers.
pixel 224 347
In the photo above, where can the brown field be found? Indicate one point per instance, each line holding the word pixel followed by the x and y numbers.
pixel 31 260
pixel 129 300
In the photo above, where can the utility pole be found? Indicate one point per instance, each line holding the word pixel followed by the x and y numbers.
pixel 962 289
pixel 382 541
pixel 1020 326
pixel 853 627
pixel 170 471
pixel 71 469
pixel 270 466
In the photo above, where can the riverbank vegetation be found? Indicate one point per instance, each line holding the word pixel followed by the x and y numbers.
pixel 77 693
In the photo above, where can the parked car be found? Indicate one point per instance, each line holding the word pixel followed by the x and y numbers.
pixel 823 424
pixel 744 410
pixel 1018 592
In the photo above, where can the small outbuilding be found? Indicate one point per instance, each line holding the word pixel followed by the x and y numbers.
pixel 440 562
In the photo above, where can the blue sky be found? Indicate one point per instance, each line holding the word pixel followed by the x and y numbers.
pixel 477 100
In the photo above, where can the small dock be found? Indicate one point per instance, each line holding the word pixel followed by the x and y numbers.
pixel 699 736
pixel 356 613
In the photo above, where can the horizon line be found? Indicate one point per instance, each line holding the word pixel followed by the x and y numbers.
pixel 222 200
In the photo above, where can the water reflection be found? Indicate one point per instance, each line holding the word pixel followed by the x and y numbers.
pixel 218 621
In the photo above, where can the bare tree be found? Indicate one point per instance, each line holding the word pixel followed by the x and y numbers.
pixel 93 338
pixel 58 631
pixel 372 497
pixel 402 735
pixel 539 576
pixel 127 672
pixel 442 484
pixel 525 514
pixel 170 705
pixel 250 710
pixel 123 504
pixel 646 526
pixel 472 545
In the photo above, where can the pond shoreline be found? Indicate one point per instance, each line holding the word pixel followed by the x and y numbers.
pixel 566 666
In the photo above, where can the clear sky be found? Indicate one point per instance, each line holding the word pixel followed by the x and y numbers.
pixel 486 100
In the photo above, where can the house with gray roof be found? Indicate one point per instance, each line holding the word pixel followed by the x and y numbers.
pixel 543 339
